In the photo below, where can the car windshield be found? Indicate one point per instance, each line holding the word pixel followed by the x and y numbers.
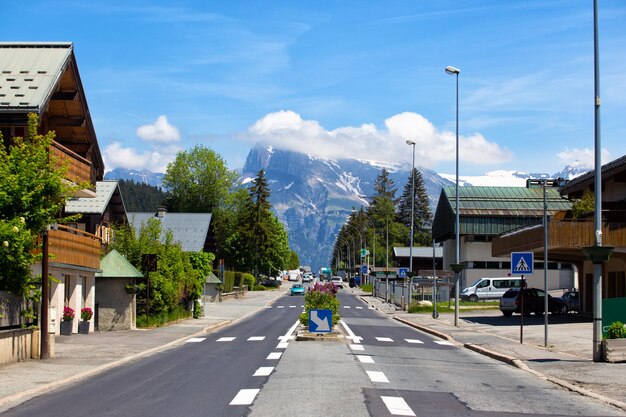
pixel 297 286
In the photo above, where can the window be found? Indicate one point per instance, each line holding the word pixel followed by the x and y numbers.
pixel 479 264
pixel 506 265
pixel 493 265
pixel 68 291
pixel 85 291
pixel 484 283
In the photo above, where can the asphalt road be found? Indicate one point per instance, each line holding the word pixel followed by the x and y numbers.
pixel 253 368
pixel 214 376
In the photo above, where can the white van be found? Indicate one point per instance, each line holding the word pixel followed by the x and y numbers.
pixel 489 288
pixel 294 275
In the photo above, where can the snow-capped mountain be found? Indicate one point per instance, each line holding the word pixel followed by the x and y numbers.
pixel 313 197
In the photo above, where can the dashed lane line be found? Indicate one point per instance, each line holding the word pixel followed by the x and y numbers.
pixel 354 338
pixel 377 376
pixel 245 397
pixel 226 339
pixel 443 343
pixel 397 406
pixel 195 340
pixel 274 356
pixel 414 341
pixel 256 338
pixel 356 347
pixel 264 371
pixel 384 339
pixel 282 345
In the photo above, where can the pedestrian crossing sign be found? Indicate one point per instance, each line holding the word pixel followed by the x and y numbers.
pixel 522 263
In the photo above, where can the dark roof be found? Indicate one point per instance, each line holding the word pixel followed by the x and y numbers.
pixel 493 210
pixel 586 181
pixel 190 229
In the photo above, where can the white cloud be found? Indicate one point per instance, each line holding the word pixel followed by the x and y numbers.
pixel 155 160
pixel 160 131
pixel 287 130
pixel 584 158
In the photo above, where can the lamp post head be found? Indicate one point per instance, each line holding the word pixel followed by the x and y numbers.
pixel 453 70
pixel 410 142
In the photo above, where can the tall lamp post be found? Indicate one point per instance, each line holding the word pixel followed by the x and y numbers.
pixel 456 267
pixel 411 143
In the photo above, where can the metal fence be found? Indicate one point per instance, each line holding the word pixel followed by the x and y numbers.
pixel 395 292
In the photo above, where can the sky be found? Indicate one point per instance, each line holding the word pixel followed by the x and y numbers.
pixel 344 79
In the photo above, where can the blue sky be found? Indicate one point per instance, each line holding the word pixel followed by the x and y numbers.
pixel 343 78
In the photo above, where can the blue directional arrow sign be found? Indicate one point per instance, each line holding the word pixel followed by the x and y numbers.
pixel 522 263
pixel 320 321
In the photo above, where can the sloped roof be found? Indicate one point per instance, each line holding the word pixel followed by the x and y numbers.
pixel 114 265
pixel 586 181
pixel 418 252
pixel 29 72
pixel 97 205
pixel 190 229
pixel 493 210
pixel 212 279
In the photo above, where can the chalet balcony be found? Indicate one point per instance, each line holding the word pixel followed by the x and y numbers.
pixel 79 168
pixel 74 247
pixel 562 235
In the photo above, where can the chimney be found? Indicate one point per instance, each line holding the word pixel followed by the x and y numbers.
pixel 161 212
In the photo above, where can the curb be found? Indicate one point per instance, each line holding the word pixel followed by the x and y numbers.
pixel 14 400
pixel 426 329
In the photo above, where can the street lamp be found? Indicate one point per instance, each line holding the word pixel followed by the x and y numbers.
pixel 411 143
pixel 456 267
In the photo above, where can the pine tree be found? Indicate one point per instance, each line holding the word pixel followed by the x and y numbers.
pixel 422 214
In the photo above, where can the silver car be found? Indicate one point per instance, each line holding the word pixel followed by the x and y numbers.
pixel 337 281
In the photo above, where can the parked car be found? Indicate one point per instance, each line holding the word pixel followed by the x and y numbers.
pixel 337 281
pixel 571 299
pixel 307 277
pixel 297 289
pixel 511 302
pixel 489 288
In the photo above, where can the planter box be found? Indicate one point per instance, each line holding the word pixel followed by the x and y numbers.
pixel 614 350
pixel 66 328
pixel 83 327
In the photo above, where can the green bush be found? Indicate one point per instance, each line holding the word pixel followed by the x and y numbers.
pixel 367 287
pixel 248 279
pixel 180 312
pixel 259 288
pixel 321 297
pixel 616 330
pixel 229 281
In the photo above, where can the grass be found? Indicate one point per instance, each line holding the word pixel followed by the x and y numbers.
pixel 147 322
pixel 367 287
pixel 445 307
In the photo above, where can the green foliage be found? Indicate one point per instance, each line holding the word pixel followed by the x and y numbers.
pixel 321 297
pixel 229 281
pixel 367 287
pixel 248 279
pixel 179 278
pixel 141 197
pixel 616 330
pixel 158 320
pixel 32 194
pixel 259 288
pixel 583 206
pixel 294 261
pixel 198 181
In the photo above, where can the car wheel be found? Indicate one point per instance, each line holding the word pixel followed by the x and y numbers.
pixel 473 298
pixel 507 313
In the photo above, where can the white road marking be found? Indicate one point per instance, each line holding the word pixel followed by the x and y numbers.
pixel 281 307
pixel 274 355
pixel 443 343
pixel 384 339
pixel 346 306
pixel 292 306
pixel 359 308
pixel 289 335
pixel 397 406
pixel 301 306
pixel 282 345
pixel 354 338
pixel 195 340
pixel 357 347
pixel 365 358
pixel 256 338
pixel 268 306
pixel 245 397
pixel 371 308
pixel 377 376
pixel 264 371
pixel 226 339
pixel 414 341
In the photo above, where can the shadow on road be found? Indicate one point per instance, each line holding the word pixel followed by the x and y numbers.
pixel 532 320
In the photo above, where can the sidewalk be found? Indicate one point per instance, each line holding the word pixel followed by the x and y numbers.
pixel 80 356
pixel 567 361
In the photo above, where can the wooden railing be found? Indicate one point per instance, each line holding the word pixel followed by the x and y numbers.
pixel 74 247
pixel 79 168
pixel 561 234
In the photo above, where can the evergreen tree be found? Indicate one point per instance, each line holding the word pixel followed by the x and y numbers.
pixel 140 196
pixel 422 214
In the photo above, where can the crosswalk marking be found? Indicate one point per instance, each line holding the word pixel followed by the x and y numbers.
pixel 414 341
pixel 245 397
pixel 443 343
pixel 268 306
pixel 357 347
pixel 365 358
pixel 226 339
pixel 282 345
pixel 195 340
pixel 274 355
pixel 256 338
pixel 397 406
pixel 264 371
pixel 292 306
pixel 384 339
pixel 377 376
